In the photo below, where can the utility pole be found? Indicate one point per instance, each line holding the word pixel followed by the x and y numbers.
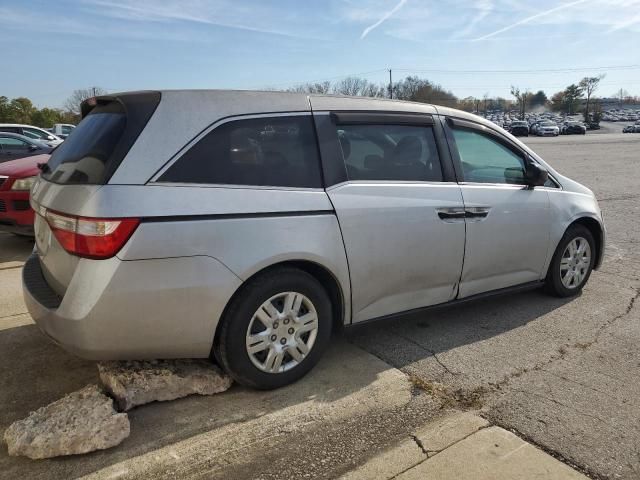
pixel 390 85
pixel 94 91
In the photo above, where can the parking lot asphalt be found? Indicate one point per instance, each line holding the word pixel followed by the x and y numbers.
pixel 561 373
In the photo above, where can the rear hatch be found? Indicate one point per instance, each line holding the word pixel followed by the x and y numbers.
pixel 77 169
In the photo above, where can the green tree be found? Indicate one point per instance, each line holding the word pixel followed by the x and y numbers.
pixel 46 117
pixel 4 109
pixel 572 97
pixel 20 110
pixel 557 102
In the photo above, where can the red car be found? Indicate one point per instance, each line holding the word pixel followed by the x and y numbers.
pixel 16 178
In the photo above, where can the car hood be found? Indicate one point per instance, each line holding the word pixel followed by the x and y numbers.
pixel 23 167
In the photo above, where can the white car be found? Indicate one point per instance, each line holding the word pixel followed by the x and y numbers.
pixel 30 131
pixel 547 129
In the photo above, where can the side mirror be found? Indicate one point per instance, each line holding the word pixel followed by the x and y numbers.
pixel 535 175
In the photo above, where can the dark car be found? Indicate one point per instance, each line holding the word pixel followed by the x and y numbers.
pixel 593 126
pixel 519 129
pixel 573 128
pixel 14 146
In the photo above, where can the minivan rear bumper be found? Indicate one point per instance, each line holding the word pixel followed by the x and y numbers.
pixel 121 310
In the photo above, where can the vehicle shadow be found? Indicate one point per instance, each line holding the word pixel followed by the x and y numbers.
pixel 416 336
pixel 14 248
pixel 35 372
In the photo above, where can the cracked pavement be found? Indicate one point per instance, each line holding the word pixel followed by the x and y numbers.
pixel 562 373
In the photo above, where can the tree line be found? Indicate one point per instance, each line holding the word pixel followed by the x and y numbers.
pixel 22 110
pixel 575 98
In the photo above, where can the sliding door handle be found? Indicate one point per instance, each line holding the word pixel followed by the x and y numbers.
pixel 451 214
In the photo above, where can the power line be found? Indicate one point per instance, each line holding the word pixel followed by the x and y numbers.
pixel 532 71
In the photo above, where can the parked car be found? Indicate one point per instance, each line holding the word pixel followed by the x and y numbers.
pixel 14 146
pixel 519 129
pixel 629 129
pixel 593 126
pixel 547 128
pixel 220 239
pixel 62 130
pixel 16 179
pixel 32 132
pixel 574 128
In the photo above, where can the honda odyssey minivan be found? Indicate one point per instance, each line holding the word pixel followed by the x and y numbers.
pixel 247 226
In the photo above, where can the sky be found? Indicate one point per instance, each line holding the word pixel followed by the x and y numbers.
pixel 472 48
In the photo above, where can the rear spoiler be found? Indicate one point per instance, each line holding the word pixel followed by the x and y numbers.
pixel 127 100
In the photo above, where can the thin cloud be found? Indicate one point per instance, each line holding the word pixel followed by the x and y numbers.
pixel 224 14
pixel 531 18
pixel 383 19
pixel 484 7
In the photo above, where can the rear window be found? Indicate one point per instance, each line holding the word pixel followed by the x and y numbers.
pixel 268 151
pixel 96 147
pixel 83 157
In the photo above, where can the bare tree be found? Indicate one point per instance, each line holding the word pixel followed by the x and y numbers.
pixel 73 103
pixel 318 87
pixel 589 85
pixel 521 100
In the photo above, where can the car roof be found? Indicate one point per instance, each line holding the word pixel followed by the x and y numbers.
pixel 19 125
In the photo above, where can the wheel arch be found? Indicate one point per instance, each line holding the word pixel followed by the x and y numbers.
pixel 327 279
pixel 597 231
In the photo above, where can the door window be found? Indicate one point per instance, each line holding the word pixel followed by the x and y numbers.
pixel 486 160
pixel 389 152
pixel 266 151
pixel 37 134
pixel 13 144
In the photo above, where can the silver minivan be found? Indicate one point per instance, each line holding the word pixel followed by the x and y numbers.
pixel 247 226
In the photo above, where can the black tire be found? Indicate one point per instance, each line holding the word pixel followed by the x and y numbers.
pixel 553 282
pixel 230 349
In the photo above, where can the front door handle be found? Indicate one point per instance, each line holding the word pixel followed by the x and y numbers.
pixel 476 214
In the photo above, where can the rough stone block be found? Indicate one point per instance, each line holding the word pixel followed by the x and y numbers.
pixel 80 422
pixel 133 383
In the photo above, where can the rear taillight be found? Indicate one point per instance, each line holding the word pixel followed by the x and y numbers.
pixel 97 238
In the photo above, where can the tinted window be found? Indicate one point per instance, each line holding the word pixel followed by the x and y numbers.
pixel 83 157
pixel 389 152
pixel 486 160
pixel 275 151
pixel 9 143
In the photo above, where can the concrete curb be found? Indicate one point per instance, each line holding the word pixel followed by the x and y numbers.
pixel 461 446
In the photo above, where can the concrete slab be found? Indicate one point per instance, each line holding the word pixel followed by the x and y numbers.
pixel 11 302
pixel 390 463
pixel 13 321
pixel 492 454
pixel 13 249
pixel 449 429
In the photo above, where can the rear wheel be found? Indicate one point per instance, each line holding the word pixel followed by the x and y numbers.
pixel 572 262
pixel 275 329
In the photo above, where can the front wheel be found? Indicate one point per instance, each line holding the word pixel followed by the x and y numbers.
pixel 572 262
pixel 275 329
